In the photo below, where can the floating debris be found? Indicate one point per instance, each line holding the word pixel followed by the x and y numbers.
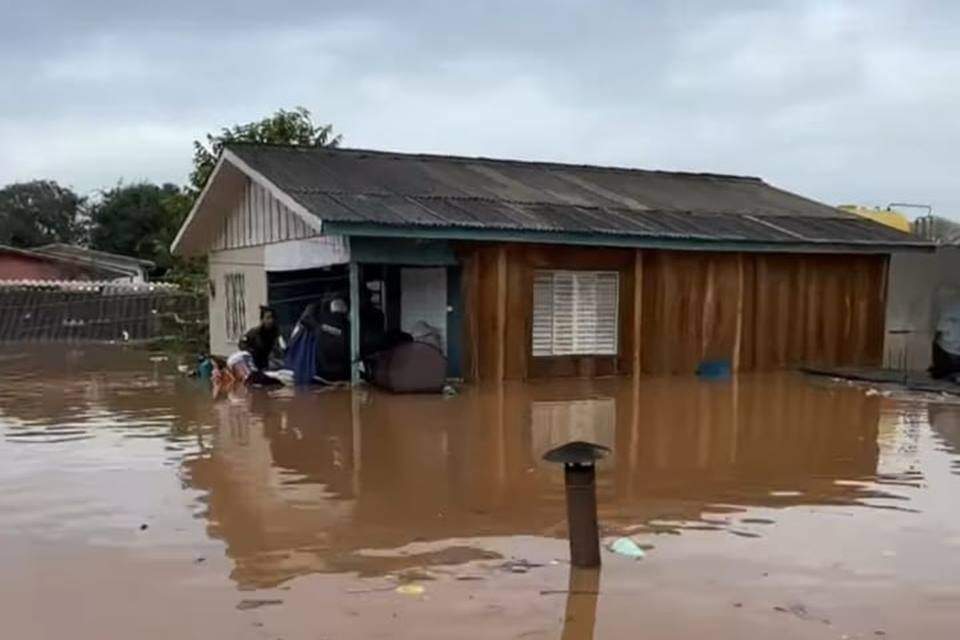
pixel 411 589
pixel 628 548
pixel 413 575
pixel 519 566
pixel 254 603
pixel 801 612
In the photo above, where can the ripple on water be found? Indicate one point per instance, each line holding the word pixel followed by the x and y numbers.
pixel 47 436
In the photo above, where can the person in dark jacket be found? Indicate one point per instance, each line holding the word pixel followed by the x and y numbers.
pixel 946 365
pixel 333 342
pixel 260 341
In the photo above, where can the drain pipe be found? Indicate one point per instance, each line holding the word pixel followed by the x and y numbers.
pixel 580 476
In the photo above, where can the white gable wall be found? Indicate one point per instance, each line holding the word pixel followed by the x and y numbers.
pixel 260 234
pixel 247 262
pixel 258 218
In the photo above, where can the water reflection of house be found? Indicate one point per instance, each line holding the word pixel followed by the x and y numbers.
pixel 945 420
pixel 542 270
pixel 556 422
pixel 305 484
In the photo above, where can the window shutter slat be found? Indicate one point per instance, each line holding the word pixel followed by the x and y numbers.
pixel 575 313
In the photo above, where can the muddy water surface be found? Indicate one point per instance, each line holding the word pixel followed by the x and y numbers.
pixel 135 504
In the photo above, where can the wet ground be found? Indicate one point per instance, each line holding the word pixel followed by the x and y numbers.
pixel 133 504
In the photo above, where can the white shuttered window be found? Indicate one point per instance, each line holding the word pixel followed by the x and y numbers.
pixel 236 313
pixel 575 313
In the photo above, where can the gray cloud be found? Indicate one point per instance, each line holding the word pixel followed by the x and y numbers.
pixel 844 101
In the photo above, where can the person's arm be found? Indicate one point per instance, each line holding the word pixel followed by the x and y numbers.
pixel 246 341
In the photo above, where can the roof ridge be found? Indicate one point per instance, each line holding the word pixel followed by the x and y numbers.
pixel 547 164
pixel 37 254
pixel 54 249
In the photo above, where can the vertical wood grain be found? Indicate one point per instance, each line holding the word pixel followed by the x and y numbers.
pixel 501 313
pixel 637 313
pixel 738 330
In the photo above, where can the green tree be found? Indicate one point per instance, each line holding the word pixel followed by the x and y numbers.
pixel 294 127
pixel 139 220
pixel 39 212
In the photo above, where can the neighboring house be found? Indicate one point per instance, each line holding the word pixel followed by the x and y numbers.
pixel 126 267
pixel 937 229
pixel 60 293
pixel 889 217
pixel 532 269
pixel 66 263
pixel 22 264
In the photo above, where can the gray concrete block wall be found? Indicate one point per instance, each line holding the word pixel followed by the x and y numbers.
pixel 918 287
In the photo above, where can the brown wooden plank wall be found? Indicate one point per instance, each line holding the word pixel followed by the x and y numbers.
pixel 498 346
pixel 824 310
pixel 758 311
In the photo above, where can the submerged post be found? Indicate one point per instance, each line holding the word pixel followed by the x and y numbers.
pixel 580 475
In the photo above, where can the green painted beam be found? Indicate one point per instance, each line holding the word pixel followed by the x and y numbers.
pixel 402 251
pixel 354 323
pixel 358 229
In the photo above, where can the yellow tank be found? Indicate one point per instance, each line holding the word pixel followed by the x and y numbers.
pixel 889 217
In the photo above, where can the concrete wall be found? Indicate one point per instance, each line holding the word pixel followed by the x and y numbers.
pixel 918 286
pixel 248 261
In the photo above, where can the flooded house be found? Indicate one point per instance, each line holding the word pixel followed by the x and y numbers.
pixel 531 270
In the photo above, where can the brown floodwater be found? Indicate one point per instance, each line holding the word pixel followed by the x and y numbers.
pixel 134 504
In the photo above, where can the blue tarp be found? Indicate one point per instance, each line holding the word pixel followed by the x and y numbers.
pixel 301 356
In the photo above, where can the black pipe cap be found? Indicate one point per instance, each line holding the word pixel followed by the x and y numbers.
pixel 577 452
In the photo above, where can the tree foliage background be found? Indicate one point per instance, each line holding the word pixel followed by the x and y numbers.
pixel 293 127
pixel 141 219
pixel 40 212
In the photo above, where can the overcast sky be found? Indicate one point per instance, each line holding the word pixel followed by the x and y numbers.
pixel 841 101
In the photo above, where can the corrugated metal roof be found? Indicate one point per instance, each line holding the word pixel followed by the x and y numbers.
pixel 45 254
pixel 376 188
pixel 92 255
pixel 89 285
